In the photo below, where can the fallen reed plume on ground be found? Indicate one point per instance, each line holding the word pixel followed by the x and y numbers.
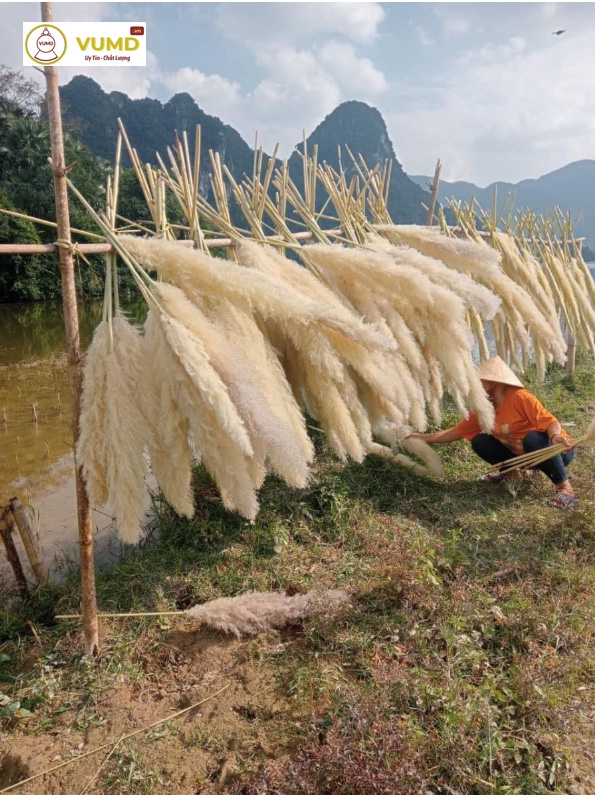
pixel 255 612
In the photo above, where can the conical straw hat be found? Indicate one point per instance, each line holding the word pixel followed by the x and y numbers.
pixel 495 369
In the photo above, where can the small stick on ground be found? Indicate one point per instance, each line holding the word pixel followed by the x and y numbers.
pixel 123 615
pixel 107 745
pixel 101 766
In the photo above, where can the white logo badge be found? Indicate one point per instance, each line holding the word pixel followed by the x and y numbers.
pixel 45 44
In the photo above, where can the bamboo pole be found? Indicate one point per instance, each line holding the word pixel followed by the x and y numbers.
pixel 107 248
pixel 73 348
pixel 29 541
pixel 12 555
pixel 434 193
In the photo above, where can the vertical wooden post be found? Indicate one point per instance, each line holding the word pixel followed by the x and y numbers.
pixel 29 541
pixel 434 193
pixel 12 555
pixel 73 349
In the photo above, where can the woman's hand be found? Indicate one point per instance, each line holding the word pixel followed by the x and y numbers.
pixel 440 437
pixel 559 438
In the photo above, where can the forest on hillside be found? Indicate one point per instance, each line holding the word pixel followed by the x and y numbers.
pixel 26 188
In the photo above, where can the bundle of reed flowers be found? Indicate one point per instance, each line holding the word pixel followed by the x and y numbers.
pixel 368 370
pixel 126 431
pixel 257 385
pixel 518 312
pixel 522 266
pixel 433 471
pixel 323 346
pixel 420 449
pixel 526 271
pixel 113 428
pixel 406 363
pixel 474 295
pixel 316 361
pixel 253 291
pixel 431 312
pixel 91 451
pixel 219 435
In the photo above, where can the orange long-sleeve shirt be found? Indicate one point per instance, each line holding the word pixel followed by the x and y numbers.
pixel 519 413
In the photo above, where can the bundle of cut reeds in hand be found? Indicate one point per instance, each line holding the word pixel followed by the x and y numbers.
pixel 533 459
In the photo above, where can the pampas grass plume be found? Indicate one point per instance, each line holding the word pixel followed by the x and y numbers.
pixel 91 452
pixel 198 388
pixel 266 612
pixel 425 453
pixel 125 431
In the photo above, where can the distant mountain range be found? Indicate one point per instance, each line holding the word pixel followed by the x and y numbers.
pixel 151 127
pixel 571 188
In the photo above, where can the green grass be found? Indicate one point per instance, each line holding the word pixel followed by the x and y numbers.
pixel 465 659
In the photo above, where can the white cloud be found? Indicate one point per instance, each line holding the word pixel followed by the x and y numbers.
pixel 549 10
pixel 358 75
pixel 297 93
pixel 255 24
pixel 209 91
pixel 504 110
pixel 424 37
pixel 455 26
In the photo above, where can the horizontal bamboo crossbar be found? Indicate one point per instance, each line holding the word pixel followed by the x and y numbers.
pixel 107 248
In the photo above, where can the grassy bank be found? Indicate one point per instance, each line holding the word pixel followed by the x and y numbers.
pixel 464 665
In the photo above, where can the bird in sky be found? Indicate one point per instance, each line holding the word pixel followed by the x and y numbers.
pixel 558 32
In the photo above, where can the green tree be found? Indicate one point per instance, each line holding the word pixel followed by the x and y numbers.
pixel 24 277
pixel 26 185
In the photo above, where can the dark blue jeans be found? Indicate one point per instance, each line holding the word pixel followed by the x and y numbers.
pixel 494 452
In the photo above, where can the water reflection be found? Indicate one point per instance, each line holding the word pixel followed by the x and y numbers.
pixel 36 331
pixel 36 462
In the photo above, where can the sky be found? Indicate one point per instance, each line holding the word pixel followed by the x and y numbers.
pixel 486 87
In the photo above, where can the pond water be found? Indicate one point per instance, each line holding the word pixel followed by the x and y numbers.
pixel 36 461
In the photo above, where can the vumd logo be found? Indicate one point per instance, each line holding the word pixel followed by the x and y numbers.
pixel 106 44
pixel 45 44
pixel 127 43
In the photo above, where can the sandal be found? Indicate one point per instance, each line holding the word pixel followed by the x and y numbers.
pixel 564 501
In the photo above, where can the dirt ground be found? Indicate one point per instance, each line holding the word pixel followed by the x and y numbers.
pixel 198 752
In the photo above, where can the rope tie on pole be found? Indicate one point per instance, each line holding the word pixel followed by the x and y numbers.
pixel 72 247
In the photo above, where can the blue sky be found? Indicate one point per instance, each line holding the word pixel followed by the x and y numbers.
pixel 484 86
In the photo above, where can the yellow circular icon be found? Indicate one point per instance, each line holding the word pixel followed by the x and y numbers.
pixel 45 44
